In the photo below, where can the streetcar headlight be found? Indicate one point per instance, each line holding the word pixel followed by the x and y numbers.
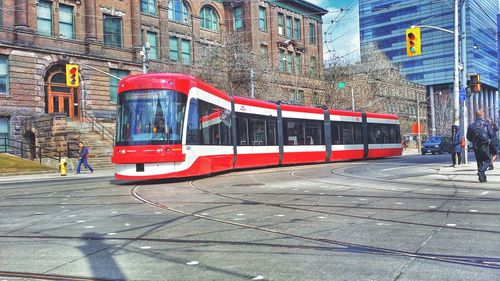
pixel 159 150
pixel 436 146
pixel 122 151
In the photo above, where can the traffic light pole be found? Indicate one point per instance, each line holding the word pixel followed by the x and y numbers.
pixel 456 79
pixel 463 102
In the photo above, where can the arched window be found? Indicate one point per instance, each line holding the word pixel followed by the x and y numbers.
pixel 178 11
pixel 209 19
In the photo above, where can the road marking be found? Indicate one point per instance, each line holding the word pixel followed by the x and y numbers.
pixel 451 224
pixel 89 226
pixel 240 214
pixel 484 193
pixel 238 219
pixel 145 247
pixel 204 214
pixel 192 263
pixel 280 215
pixel 399 203
pixel 80 221
pixel 112 233
pixel 321 217
pixel 260 277
pixel 158 213
pixel 473 211
pixel 432 207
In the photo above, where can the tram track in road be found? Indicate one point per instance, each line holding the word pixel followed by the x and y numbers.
pixel 484 262
pixel 42 276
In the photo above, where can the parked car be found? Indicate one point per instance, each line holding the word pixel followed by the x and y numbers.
pixel 436 144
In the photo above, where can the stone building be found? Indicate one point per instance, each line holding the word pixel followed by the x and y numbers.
pixel 39 37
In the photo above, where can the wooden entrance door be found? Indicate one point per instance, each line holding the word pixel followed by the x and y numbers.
pixel 61 98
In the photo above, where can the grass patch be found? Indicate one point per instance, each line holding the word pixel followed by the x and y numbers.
pixel 12 164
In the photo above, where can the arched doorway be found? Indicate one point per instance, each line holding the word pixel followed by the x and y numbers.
pixel 59 97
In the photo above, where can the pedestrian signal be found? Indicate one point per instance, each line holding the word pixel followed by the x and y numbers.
pixel 72 75
pixel 413 42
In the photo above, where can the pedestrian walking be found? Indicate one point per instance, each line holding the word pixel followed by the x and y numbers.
pixel 493 143
pixel 456 145
pixel 480 134
pixel 83 154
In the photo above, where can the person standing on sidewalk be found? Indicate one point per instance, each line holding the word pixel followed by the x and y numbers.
pixel 479 133
pixel 493 143
pixel 456 145
pixel 83 154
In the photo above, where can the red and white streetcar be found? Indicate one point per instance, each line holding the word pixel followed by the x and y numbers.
pixel 174 125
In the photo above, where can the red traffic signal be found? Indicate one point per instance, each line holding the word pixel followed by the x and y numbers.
pixel 72 75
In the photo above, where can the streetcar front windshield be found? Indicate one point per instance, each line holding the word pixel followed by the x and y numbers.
pixel 150 117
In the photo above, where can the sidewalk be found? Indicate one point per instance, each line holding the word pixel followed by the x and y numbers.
pixel 468 173
pixel 54 175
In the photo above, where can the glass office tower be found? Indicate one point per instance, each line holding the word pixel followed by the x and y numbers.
pixel 384 22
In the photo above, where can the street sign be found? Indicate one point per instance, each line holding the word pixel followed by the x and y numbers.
pixel 463 95
pixel 340 85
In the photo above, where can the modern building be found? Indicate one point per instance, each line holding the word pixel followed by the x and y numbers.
pixel 385 22
pixel 39 37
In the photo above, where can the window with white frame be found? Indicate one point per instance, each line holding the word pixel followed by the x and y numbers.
pixel 66 25
pixel 281 24
pixel 148 7
pixel 209 19
pixel 178 11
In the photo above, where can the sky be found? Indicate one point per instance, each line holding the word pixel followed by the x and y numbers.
pixel 341 25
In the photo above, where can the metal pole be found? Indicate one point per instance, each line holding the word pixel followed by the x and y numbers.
pixel 144 55
pixel 433 111
pixel 456 103
pixel 352 99
pixel 418 123
pixel 463 104
pixel 252 86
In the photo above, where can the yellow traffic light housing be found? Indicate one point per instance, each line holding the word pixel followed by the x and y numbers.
pixel 413 42
pixel 72 75
pixel 475 82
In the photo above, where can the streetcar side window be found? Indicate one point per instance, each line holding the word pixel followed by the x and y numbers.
pixel 378 133
pixel 303 132
pixel 336 136
pixel 208 124
pixel 394 135
pixel 346 133
pixel 255 130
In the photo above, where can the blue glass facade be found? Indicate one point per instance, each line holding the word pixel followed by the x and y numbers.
pixel 385 21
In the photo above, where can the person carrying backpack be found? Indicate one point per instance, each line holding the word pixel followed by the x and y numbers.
pixel 479 133
pixel 83 154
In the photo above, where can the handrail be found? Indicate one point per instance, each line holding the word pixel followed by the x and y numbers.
pixel 96 124
pixel 25 147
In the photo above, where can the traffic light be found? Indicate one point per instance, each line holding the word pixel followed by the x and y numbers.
pixel 72 75
pixel 475 82
pixel 413 43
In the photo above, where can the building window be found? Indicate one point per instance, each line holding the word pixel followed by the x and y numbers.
pixel 44 18
pixel 314 67
pixel 113 83
pixel 209 19
pixel 112 28
pixel 281 24
pixel 289 62
pixel 288 27
pixel 296 29
pixel 282 62
pixel 152 41
pixel 298 64
pixel 178 11
pixel 312 34
pixel 174 49
pixel 262 19
pixel 4 133
pixel 263 53
pixel 66 22
pixel 238 18
pixel 186 52
pixel 148 7
pixel 4 75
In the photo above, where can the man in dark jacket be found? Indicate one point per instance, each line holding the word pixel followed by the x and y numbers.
pixel 481 144
pixel 456 145
pixel 83 154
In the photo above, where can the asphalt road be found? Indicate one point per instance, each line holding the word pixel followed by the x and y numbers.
pixel 407 218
